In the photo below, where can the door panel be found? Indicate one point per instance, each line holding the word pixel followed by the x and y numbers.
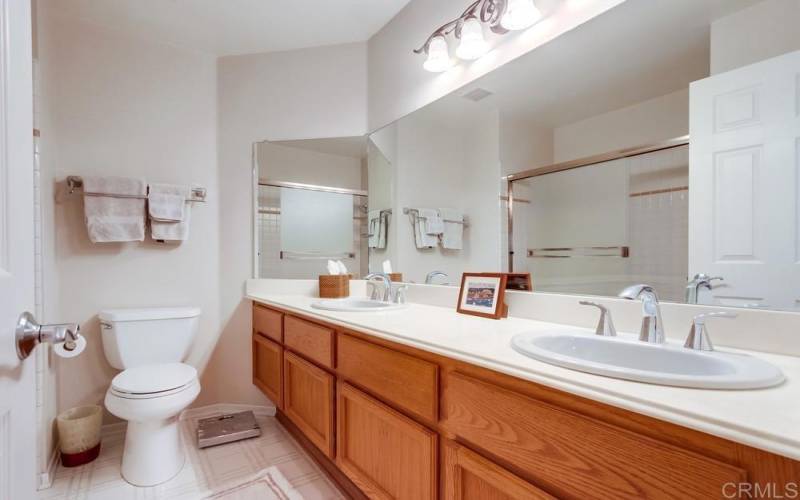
pixel 308 400
pixel 744 206
pixel 17 384
pixel 386 454
pixel 268 368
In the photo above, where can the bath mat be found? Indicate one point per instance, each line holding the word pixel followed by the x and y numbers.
pixel 268 484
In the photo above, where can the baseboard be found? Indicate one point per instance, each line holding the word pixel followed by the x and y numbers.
pixel 222 408
pixel 46 478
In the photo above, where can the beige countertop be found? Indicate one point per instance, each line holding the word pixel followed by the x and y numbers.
pixel 768 419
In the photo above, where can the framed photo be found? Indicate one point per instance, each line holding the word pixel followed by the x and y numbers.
pixel 483 294
pixel 519 281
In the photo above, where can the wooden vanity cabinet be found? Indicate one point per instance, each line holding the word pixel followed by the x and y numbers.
pixel 308 393
pixel 386 454
pixel 468 476
pixel 268 368
pixel 390 421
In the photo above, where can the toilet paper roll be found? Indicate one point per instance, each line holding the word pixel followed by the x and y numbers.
pixel 61 349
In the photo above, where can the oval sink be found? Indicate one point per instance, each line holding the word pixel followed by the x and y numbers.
pixel 355 305
pixel 631 359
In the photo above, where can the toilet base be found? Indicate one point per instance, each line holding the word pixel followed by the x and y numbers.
pixel 153 452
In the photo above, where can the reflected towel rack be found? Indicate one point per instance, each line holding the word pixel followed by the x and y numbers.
pixel 75 182
pixel 569 252
pixel 414 213
pixel 315 256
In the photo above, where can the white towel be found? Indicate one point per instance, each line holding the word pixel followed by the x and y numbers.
pixel 421 238
pixel 378 228
pixel 170 213
pixel 453 236
pixel 114 208
pixel 434 225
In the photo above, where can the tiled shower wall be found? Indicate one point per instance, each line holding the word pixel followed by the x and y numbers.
pixel 269 236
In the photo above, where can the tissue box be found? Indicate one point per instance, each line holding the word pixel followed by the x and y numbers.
pixel 396 277
pixel 334 286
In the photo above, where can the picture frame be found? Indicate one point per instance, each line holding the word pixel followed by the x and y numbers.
pixel 483 294
pixel 520 282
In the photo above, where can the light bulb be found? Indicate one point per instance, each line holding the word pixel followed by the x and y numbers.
pixel 520 14
pixel 438 55
pixel 472 45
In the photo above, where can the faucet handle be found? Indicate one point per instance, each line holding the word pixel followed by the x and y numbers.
pixel 698 338
pixel 605 326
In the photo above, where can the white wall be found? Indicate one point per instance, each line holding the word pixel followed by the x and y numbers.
pixel 301 94
pixel 114 105
pixel 290 164
pixel 767 29
pixel 446 160
pixel 647 122
pixel 399 85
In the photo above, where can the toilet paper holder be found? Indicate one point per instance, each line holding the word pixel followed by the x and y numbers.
pixel 29 334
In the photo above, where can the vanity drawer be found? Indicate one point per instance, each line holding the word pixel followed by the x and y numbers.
pixel 574 456
pixel 308 400
pixel 386 454
pixel 268 322
pixel 405 381
pixel 468 476
pixel 268 368
pixel 309 339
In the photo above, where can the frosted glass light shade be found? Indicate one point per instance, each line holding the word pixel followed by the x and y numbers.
pixel 438 56
pixel 520 14
pixel 472 45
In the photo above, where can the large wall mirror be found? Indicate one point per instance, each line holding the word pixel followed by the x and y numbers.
pixel 594 163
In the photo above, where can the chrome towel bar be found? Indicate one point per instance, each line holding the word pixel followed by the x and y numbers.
pixel 75 182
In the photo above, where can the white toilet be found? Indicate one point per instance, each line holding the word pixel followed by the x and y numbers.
pixel 155 386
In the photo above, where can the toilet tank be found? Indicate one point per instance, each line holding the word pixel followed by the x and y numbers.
pixel 135 337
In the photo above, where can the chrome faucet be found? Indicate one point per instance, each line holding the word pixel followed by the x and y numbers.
pixel 698 338
pixel 605 326
pixel 387 286
pixel 652 330
pixel 699 281
pixel 434 274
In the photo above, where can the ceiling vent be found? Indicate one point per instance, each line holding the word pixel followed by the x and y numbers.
pixel 477 95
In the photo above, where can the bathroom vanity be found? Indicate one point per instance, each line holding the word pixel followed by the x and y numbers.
pixel 392 417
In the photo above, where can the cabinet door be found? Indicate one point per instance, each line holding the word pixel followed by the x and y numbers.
pixel 469 476
pixel 386 454
pixel 268 368
pixel 308 400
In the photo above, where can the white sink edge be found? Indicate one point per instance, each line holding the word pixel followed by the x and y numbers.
pixel 724 382
pixel 339 305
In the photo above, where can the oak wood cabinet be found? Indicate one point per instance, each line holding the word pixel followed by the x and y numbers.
pixel 308 400
pixel 268 368
pixel 378 414
pixel 386 454
pixel 468 476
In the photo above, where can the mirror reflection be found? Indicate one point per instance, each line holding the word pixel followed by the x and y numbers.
pixel 646 163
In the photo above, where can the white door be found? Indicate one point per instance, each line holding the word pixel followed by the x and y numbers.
pixel 17 382
pixel 744 207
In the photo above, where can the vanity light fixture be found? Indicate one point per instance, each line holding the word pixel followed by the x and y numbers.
pixel 472 45
pixel 438 55
pixel 520 14
pixel 501 16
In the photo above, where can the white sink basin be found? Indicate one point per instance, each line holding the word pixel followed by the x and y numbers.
pixel 355 305
pixel 668 364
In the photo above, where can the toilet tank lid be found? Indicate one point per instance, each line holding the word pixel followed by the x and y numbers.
pixel 144 314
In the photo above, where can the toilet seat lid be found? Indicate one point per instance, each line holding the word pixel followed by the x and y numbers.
pixel 150 379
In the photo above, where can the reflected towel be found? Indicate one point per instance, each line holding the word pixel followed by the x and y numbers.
pixel 453 236
pixel 421 238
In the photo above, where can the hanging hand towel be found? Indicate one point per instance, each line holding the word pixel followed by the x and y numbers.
pixel 114 208
pixel 170 213
pixel 434 225
pixel 421 238
pixel 453 236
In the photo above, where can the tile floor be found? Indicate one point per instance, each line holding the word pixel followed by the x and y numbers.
pixel 205 471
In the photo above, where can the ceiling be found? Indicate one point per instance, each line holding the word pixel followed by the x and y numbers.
pixel 639 50
pixel 232 27
pixel 352 147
